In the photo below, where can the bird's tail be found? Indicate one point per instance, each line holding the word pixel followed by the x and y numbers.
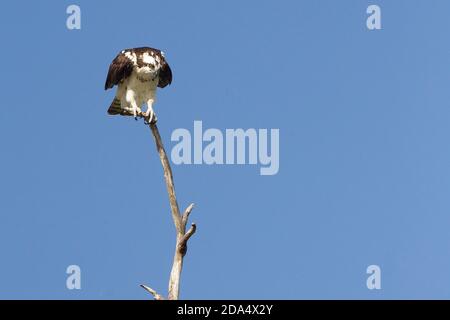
pixel 115 107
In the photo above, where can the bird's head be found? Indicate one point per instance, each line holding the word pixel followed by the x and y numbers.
pixel 146 69
pixel 147 65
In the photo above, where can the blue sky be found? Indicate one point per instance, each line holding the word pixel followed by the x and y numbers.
pixel 364 155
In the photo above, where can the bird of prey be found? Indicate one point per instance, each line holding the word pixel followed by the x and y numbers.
pixel 137 73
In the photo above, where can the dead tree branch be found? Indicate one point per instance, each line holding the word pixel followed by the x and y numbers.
pixel 153 292
pixel 180 222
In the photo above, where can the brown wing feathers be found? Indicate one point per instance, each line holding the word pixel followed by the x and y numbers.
pixel 165 74
pixel 120 68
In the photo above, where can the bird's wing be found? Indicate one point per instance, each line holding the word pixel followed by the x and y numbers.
pixel 165 73
pixel 121 68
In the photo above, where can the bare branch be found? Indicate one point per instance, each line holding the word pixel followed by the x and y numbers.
pixel 189 234
pixel 155 295
pixel 186 214
pixel 168 177
pixel 182 245
pixel 179 220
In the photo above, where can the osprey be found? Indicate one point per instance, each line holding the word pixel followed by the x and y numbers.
pixel 137 73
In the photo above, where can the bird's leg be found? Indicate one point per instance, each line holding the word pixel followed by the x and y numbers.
pixel 150 114
pixel 136 110
pixel 130 98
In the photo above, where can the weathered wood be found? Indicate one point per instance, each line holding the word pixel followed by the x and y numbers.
pixel 180 222
pixel 153 292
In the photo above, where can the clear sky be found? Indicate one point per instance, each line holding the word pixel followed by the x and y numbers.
pixel 364 174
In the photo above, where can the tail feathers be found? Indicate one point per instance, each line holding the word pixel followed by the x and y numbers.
pixel 115 107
